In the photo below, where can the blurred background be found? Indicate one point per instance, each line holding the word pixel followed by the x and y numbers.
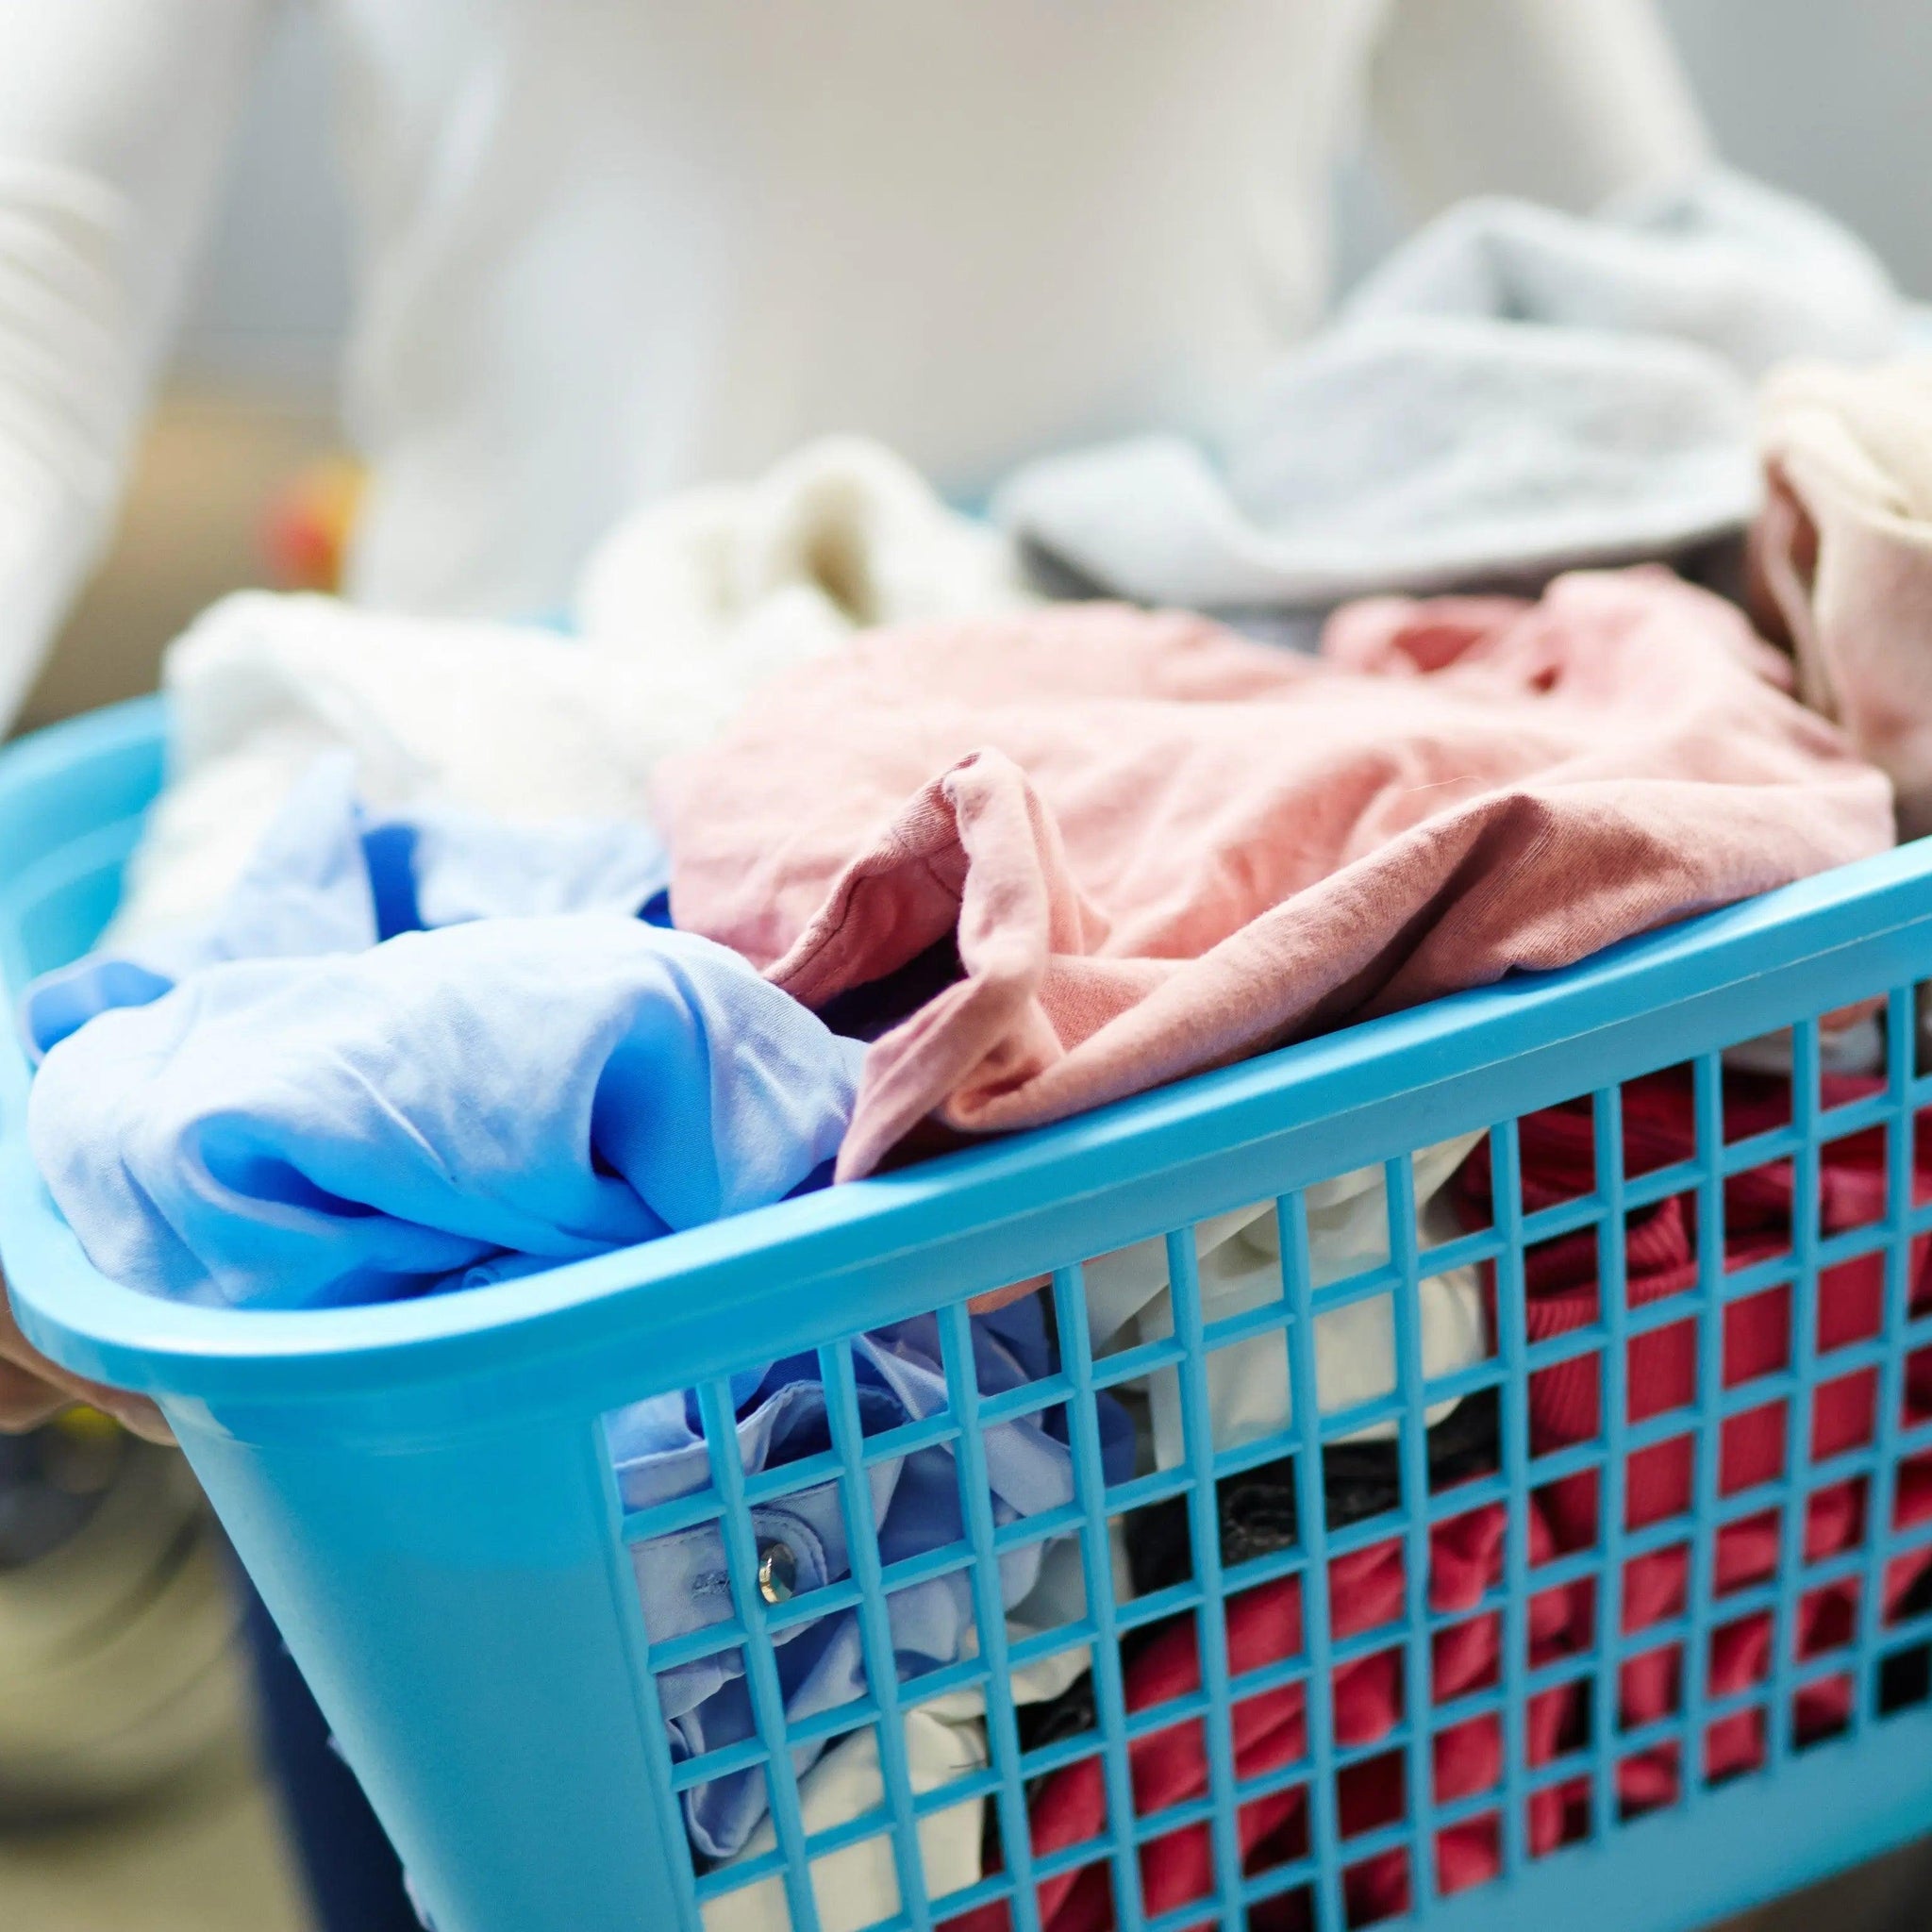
pixel 128 1795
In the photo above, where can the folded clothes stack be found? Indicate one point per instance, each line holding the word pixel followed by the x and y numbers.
pixel 820 838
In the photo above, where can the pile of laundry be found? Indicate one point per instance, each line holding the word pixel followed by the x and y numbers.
pixel 1537 603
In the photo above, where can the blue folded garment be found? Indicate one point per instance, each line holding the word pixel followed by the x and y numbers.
pixel 660 1451
pixel 447 1106
pixel 415 1052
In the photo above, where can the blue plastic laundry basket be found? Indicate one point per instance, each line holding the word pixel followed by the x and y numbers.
pixel 425 1496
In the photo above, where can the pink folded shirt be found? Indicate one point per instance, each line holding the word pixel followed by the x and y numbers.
pixel 1163 847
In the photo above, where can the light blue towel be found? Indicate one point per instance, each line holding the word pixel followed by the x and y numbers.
pixel 1515 392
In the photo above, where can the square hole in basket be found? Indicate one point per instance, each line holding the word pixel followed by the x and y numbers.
pixel 1829 1618
pixel 1291 1909
pixel 1758 1208
pixel 933 1626
pixel 1467 1758
pixel 1057 1598
pixel 1908 1587
pixel 1851 1303
pixel 1557 1152
pixel 1757 1086
pixel 1377 1888
pixel 1563 1622
pixel 1858 1193
pixel 1455 1192
pixel 1747 1550
pixel 842 1784
pixel 1823 1710
pixel 1844 1414
pixel 1835 1518
pixel 1752 1449
pixel 1470 1853
pixel 1658 1114
pixel 1465 1444
pixel 1570 1508
pixel 1373 1792
pixel 725 1810
pixel 1275 1830
pixel 1661 1251
pixel 952 1851
pixel 1055 1699
pixel 1659 1481
pixel 1561 1280
pixel 1740 1654
pixel 1647 1781
pixel 1757 1336
pixel 1903 1679
pixel 1650 1684
pixel 1248 1399
pixel 1185 1865
pixel 1088 1901
pixel 1558 1817
pixel 1852 1042
pixel 1566 1404
pixel 1915 1408
pixel 1362 1481
pixel 1656 1586
pixel 1661 1371
pixel 1734 1746
pixel 1911 1501
pixel 1153 1548
pixel 1466 1657
pixel 1015 1338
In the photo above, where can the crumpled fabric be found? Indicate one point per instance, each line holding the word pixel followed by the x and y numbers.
pixel 511 722
pixel 859 1886
pixel 1366 1592
pixel 441 1110
pixel 1841 556
pixel 1238 1267
pixel 1160 847
pixel 1515 392
pixel 1558 1163
pixel 721 586
pixel 686 608
pixel 658 1450
pixel 333 876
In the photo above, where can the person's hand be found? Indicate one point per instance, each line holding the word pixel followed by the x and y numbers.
pixel 33 1389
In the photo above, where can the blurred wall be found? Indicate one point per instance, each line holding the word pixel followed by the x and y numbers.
pixel 1830 100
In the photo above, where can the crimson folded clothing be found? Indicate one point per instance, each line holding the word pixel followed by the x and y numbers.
pixel 1161 846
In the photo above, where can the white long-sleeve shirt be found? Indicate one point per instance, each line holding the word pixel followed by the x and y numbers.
pixel 613 246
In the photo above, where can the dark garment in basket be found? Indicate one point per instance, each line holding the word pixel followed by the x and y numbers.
pixel 1259 1517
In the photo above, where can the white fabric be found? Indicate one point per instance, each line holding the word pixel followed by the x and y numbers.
pixel 945 1741
pixel 1516 391
pixel 611 250
pixel 859 1884
pixel 1239 1267
pixel 689 604
pixel 719 586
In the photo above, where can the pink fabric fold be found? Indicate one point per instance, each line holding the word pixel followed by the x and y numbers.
pixel 1163 847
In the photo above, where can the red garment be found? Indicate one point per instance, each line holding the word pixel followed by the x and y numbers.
pixel 1661 1260
pixel 1264 1626
pixel 1366 1589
